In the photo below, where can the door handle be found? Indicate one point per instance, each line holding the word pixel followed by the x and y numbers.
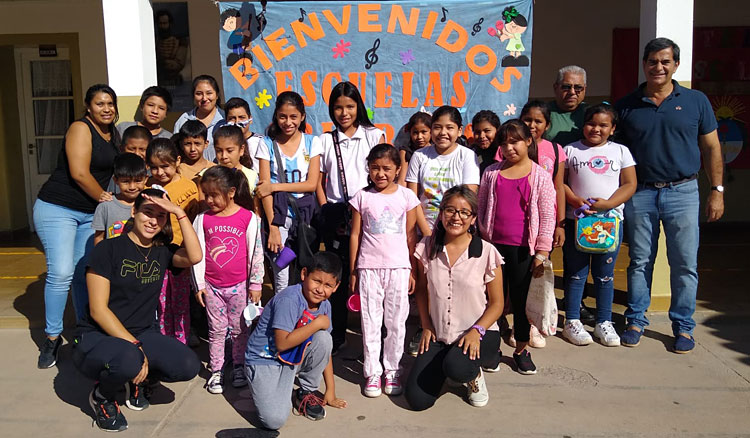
pixel 31 149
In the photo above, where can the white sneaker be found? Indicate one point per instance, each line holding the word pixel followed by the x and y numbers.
pixel 215 384
pixel 605 332
pixel 536 340
pixel 575 333
pixel 372 387
pixel 477 394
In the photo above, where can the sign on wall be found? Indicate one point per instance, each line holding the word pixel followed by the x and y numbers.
pixel 402 55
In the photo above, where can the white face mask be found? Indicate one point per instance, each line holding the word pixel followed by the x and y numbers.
pixel 240 124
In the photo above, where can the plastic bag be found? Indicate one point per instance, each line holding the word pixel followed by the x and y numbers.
pixel 541 305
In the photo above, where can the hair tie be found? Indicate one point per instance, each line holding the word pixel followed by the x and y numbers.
pixel 158 187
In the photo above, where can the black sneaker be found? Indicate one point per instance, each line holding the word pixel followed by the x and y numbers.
pixel 307 404
pixel 136 397
pixel 587 317
pixel 48 353
pixel 413 348
pixel 238 376
pixel 524 364
pixel 107 415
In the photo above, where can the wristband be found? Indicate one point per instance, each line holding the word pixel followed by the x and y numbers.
pixel 137 343
pixel 181 217
pixel 479 329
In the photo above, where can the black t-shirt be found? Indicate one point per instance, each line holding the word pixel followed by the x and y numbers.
pixel 134 282
pixel 61 189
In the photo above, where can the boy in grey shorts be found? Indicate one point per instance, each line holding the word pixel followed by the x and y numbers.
pixel 293 338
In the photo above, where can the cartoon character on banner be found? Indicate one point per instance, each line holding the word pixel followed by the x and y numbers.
pixel 240 34
pixel 511 27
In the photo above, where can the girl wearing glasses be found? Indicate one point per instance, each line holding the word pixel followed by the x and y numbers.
pixel 458 308
pixel 517 214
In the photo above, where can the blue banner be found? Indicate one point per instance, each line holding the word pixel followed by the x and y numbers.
pixel 402 55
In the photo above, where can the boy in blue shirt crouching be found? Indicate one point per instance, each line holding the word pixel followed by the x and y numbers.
pixel 293 338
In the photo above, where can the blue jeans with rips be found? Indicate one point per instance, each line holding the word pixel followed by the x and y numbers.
pixel 576 272
pixel 676 208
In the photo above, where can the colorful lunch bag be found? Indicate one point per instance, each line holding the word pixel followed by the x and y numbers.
pixel 599 232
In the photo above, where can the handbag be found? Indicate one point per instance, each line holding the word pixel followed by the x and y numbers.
pixel 597 233
pixel 541 305
pixel 302 236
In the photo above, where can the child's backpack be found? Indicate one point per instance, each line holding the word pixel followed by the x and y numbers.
pixel 597 233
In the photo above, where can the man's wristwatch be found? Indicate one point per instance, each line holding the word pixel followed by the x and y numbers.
pixel 718 188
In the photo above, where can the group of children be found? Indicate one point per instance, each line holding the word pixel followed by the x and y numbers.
pixel 372 204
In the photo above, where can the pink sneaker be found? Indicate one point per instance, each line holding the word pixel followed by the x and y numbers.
pixel 393 383
pixel 372 386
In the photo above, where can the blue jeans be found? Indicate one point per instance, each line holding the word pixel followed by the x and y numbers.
pixel 677 207
pixel 67 238
pixel 576 273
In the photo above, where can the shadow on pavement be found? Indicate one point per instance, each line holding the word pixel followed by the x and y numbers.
pixel 247 433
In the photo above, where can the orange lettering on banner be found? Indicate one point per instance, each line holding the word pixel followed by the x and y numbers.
pixel 301 29
pixel 342 26
pixel 487 68
pixel 383 90
pixel 276 43
pixel 308 128
pixel 407 101
pixel 366 18
pixel 407 27
pixel 326 126
pixel 358 79
pixel 244 72
pixel 450 27
pixel 434 92
pixel 327 85
pixel 261 56
pixel 387 128
pixel 281 78
pixel 507 73
pixel 459 78
pixel 308 87
pixel 429 25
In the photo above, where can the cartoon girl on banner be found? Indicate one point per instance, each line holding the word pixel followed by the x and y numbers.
pixel 511 27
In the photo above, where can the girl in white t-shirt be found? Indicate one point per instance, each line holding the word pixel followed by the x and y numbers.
pixel 604 171
pixel 354 135
pixel 300 161
pixel 383 220
pixel 444 164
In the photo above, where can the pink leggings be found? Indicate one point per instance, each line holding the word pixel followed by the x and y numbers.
pixel 224 306
pixel 383 292
pixel 174 306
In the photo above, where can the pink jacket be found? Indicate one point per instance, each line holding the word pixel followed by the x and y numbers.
pixel 542 213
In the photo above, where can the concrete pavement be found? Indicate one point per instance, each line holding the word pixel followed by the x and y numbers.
pixel 578 392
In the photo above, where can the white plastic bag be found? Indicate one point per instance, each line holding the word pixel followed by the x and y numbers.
pixel 541 306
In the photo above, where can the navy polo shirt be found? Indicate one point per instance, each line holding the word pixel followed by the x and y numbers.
pixel 664 139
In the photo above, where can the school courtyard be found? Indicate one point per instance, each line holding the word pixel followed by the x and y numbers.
pixel 591 391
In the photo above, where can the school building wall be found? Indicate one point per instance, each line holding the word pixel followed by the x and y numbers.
pixel 569 32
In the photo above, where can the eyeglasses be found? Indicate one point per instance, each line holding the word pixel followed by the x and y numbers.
pixel 463 214
pixel 568 87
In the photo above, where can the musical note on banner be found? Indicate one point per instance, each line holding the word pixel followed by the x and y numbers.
pixel 477 27
pixel 371 57
pixel 445 11
pixel 302 13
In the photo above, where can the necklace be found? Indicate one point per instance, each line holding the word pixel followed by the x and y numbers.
pixel 145 256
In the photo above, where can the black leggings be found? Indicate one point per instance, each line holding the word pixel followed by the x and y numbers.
pixel 114 361
pixel 516 280
pixel 339 311
pixel 443 361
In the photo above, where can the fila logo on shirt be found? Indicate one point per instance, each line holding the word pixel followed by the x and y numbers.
pixel 147 274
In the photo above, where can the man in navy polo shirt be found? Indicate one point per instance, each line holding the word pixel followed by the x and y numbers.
pixel 667 127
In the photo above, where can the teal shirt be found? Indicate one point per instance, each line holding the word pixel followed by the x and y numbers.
pixel 565 127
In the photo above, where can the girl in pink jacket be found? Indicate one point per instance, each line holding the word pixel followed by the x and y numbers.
pixel 517 214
